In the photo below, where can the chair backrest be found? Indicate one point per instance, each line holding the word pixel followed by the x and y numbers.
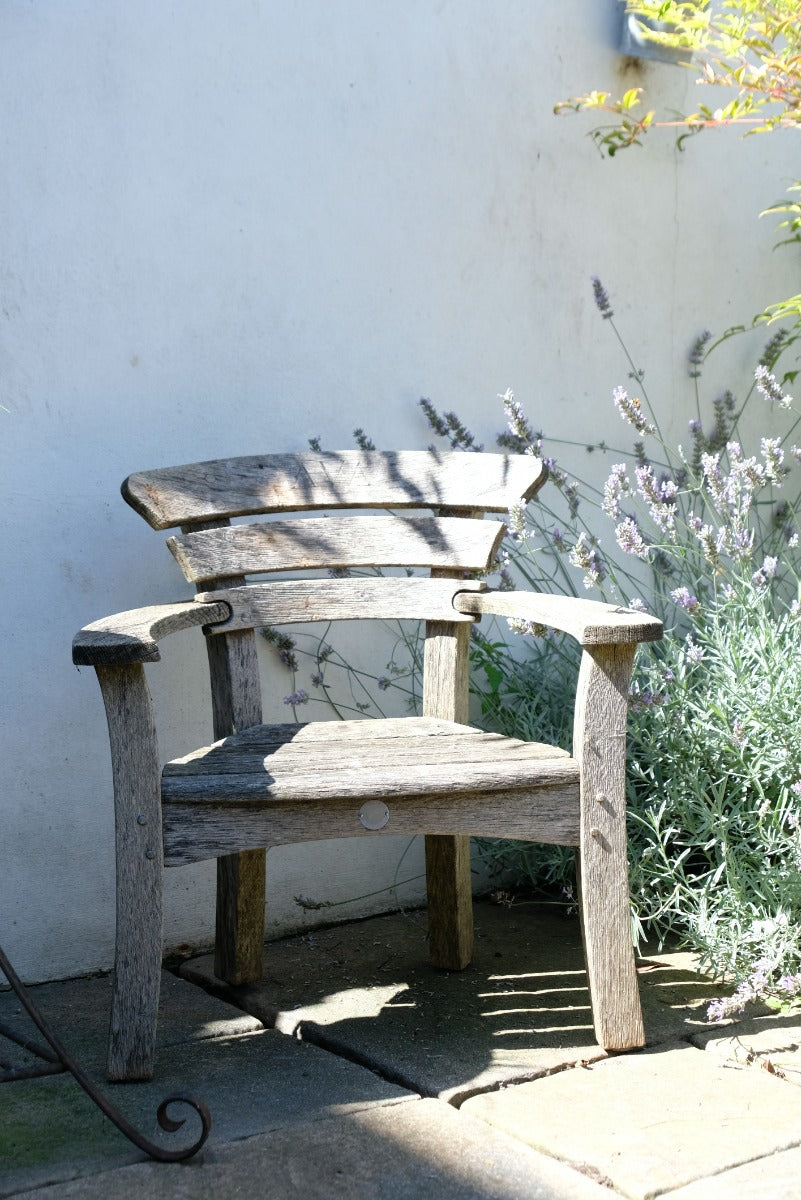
pixel 450 492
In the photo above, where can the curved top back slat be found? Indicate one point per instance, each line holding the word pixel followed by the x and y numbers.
pixel 315 543
pixel 233 487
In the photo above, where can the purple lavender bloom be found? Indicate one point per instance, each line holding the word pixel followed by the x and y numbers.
pixel 770 387
pixel 617 485
pixel 516 421
pixel 696 354
pixel 383 683
pixel 630 539
pixel 630 409
pixel 299 697
pixel 685 599
pixel 694 652
pixel 774 457
pixel 601 297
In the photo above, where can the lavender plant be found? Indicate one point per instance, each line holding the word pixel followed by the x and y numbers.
pixel 707 537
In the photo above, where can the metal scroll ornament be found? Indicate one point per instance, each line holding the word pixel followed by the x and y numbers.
pixel 56 1059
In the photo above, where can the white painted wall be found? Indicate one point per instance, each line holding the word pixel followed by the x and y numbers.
pixel 230 226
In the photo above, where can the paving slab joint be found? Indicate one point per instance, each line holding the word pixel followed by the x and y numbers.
pixel 316 1035
pixel 504 1085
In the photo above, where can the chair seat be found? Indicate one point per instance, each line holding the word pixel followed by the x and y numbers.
pixel 406 756
pixel 285 770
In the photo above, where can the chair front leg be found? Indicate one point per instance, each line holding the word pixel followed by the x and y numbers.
pixel 600 747
pixel 140 871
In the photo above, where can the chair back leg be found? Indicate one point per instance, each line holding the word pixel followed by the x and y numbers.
pixel 236 704
pixel 448 879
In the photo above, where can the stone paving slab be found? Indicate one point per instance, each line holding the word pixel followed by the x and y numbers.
pixel 520 1011
pixel 80 1008
pixel 366 991
pixel 675 994
pixel 770 1042
pixel 251 1081
pixel 410 1151
pixel 652 1121
pixel 774 1178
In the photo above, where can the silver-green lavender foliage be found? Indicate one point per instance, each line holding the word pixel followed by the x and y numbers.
pixel 707 537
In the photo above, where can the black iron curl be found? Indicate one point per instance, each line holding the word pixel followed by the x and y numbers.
pixel 58 1059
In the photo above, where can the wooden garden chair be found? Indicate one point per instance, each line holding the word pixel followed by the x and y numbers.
pixel 262 785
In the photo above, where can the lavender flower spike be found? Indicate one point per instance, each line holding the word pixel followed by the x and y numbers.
pixel 685 599
pixel 630 539
pixel 516 418
pixel 697 351
pixel 770 388
pixel 630 410
pixel 601 299
pixel 617 485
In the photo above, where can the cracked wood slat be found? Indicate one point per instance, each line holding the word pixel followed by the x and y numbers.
pixel 199 492
pixel 337 542
pixel 298 600
pixel 280 752
pixel 600 748
pixel 358 777
pixel 364 730
pixel 590 622
pixel 194 833
pixel 132 636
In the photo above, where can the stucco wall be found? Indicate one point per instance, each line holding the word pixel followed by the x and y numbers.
pixel 229 227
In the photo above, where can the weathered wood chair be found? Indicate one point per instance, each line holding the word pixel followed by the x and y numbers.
pixel 262 785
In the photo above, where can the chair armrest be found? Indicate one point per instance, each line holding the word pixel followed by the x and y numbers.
pixel 131 637
pixel 590 622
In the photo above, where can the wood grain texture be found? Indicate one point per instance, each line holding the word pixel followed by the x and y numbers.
pixel 358 599
pixel 259 786
pixel 589 621
pixel 278 754
pixel 261 773
pixel 317 543
pixel 600 748
pixel 449 884
pixel 241 878
pixel 140 870
pixel 232 487
pixel 131 637
pixel 547 814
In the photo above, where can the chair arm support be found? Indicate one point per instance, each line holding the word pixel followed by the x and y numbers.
pixel 131 637
pixel 590 622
